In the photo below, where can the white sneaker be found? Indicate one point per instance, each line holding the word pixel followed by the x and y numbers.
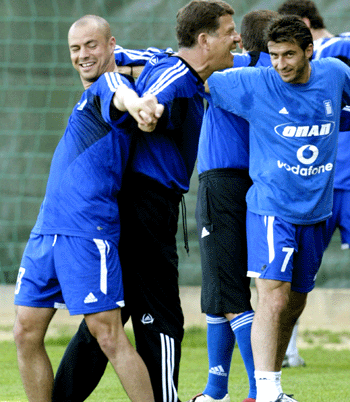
pixel 207 398
pixel 293 361
pixel 285 398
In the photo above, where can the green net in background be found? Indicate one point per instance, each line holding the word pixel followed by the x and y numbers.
pixel 39 89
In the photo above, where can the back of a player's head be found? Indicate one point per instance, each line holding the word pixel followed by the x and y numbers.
pixel 199 16
pixel 304 9
pixel 291 29
pixel 252 26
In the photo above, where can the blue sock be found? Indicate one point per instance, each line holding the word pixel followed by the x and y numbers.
pixel 221 342
pixel 242 326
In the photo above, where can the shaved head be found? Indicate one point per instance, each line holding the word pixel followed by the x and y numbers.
pixel 100 23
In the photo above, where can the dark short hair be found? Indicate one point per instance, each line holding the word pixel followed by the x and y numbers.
pixel 289 28
pixel 253 26
pixel 304 9
pixel 199 16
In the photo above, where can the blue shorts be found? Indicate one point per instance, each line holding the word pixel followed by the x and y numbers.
pixel 340 218
pixel 84 274
pixel 283 251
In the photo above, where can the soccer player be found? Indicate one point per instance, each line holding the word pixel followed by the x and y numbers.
pixel 223 161
pixel 158 176
pixel 326 45
pixel 293 109
pixel 72 253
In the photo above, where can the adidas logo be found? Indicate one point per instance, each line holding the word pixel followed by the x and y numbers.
pixel 147 319
pixel 90 298
pixel 205 232
pixel 283 111
pixel 218 370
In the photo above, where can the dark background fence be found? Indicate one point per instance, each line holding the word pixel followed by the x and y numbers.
pixel 39 89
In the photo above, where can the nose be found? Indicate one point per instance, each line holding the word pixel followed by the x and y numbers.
pixel 280 63
pixel 83 53
pixel 236 38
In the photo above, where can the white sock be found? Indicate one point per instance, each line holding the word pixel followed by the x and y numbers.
pixel 268 384
pixel 292 349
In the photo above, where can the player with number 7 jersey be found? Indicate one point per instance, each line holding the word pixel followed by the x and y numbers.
pixel 293 109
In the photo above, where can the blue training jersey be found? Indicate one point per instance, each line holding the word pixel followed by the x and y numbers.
pixel 339 46
pixel 224 138
pixel 169 153
pixel 87 167
pixel 293 135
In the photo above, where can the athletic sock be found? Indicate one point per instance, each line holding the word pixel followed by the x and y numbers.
pixel 241 327
pixel 268 385
pixel 292 349
pixel 221 342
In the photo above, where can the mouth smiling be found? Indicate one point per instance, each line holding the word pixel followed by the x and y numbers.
pixel 86 66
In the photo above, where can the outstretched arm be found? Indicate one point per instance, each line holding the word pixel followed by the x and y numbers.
pixel 146 110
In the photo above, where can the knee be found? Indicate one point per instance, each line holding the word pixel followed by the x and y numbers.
pixel 109 335
pixel 25 335
pixel 275 300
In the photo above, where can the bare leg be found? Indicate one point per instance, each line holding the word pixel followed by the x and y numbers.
pixel 277 310
pixel 296 306
pixel 34 365
pixel 107 328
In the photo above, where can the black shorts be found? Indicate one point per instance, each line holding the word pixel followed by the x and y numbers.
pixel 221 223
pixel 149 215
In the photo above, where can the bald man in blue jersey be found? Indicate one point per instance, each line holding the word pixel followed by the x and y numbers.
pixel 294 114
pixel 326 45
pixel 72 254
pixel 158 175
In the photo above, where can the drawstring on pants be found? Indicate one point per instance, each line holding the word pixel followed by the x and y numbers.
pixel 184 224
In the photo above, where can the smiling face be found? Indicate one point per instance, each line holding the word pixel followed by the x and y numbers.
pixel 291 61
pixel 223 42
pixel 91 52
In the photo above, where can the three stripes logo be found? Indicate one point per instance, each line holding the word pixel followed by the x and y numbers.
pixel 90 298
pixel 218 370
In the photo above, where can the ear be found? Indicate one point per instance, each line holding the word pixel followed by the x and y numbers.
pixel 307 22
pixel 112 43
pixel 203 40
pixel 309 50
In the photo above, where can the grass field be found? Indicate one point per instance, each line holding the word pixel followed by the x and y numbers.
pixel 324 379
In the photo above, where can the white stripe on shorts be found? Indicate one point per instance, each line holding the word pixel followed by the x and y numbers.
pixel 103 248
pixel 270 221
pixel 168 362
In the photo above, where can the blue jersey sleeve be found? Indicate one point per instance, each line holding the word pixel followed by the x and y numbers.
pixel 169 81
pixel 233 90
pixel 105 87
pixel 346 74
pixel 136 57
pixel 332 47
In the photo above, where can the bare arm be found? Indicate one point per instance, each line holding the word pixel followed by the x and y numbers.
pixel 146 110
pixel 134 71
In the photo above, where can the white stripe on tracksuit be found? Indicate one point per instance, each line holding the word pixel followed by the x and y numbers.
pixel 138 54
pixel 168 361
pixel 168 77
pixel 113 81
